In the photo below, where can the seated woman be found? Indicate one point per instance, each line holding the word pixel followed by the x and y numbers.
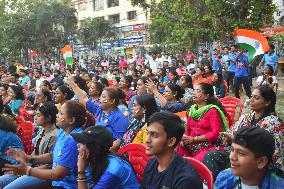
pixel 64 154
pixel 170 99
pixel 208 73
pixel 144 106
pixel 263 115
pixel 185 82
pixel 95 91
pixel 205 122
pixel 9 139
pixel 108 171
pixel 219 86
pixel 43 142
pixel 199 76
pixel 17 98
pixel 125 84
pixel 62 94
pixel 267 78
pixel 106 112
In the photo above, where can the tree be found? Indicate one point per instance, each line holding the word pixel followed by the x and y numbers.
pixel 95 30
pixel 35 24
pixel 187 22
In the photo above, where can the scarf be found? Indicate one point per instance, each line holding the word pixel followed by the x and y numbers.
pixel 197 114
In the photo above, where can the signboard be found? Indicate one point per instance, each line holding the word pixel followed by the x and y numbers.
pixel 132 41
pixel 139 27
pixel 269 32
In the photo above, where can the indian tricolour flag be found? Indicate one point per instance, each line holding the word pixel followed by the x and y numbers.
pixel 252 41
pixel 67 54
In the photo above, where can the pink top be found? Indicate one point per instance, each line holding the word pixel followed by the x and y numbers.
pixel 123 64
pixel 209 125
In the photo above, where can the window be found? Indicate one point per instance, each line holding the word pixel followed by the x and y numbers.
pixel 112 3
pixel 114 18
pixel 82 6
pixel 98 5
pixel 131 15
pixel 278 13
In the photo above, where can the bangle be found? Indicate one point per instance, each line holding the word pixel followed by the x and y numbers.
pixel 81 180
pixel 195 139
pixel 28 172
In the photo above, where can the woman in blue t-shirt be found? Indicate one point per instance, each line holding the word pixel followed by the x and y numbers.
pixel 108 171
pixel 15 93
pixel 106 112
pixel 64 155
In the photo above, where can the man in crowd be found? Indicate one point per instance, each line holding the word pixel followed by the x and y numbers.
pixel 167 169
pixel 251 154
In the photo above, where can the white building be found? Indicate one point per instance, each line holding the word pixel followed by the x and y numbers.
pixel 279 13
pixel 131 21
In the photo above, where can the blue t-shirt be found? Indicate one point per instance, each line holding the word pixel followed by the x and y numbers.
pixel 232 66
pixel 15 105
pixel 270 59
pixel 118 175
pixel 216 63
pixel 226 180
pixel 24 80
pixel 176 107
pixel 241 67
pixel 8 141
pixel 65 153
pixel 115 121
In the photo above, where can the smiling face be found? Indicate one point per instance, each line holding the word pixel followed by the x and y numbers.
pixel 105 101
pixel 59 96
pixel 63 120
pixel 168 93
pixel 137 110
pixel 243 162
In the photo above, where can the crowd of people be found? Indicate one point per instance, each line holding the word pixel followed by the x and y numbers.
pixel 83 114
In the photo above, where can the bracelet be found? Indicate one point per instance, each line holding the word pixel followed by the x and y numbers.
pixel 195 139
pixel 81 180
pixel 28 172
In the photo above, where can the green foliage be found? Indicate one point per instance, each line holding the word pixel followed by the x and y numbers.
pixel 35 24
pixel 95 30
pixel 187 22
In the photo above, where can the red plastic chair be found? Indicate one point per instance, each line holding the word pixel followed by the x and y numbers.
pixel 137 158
pixel 25 132
pixel 203 171
pixel 230 104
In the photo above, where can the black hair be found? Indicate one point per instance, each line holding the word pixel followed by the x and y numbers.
pixel 104 81
pixel 66 91
pixel 99 87
pixel 5 108
pixel 270 79
pixel 220 79
pixel 46 83
pixel 48 109
pixel 81 83
pixel 202 70
pixel 209 90
pixel 76 110
pixel 175 74
pixel 144 79
pixel 171 123
pixel 47 95
pixel 117 79
pixel 188 80
pixel 269 95
pixel 176 89
pixel 98 159
pixel 121 96
pixel 18 90
pixel 5 86
pixel 210 70
pixel 148 102
pixel 128 80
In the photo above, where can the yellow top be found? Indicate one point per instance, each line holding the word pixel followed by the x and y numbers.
pixel 141 136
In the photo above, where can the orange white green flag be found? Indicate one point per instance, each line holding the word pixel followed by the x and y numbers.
pixel 252 41
pixel 67 54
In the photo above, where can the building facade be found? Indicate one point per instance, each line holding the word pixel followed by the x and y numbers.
pixel 131 21
pixel 279 13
